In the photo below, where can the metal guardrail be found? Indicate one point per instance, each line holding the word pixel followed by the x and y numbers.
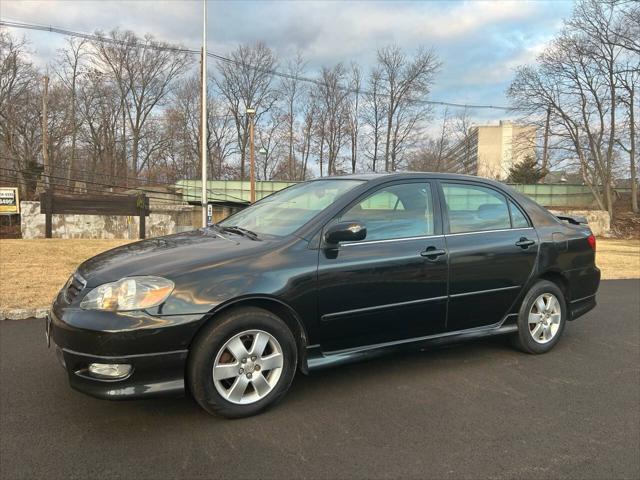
pixel 561 195
pixel 228 190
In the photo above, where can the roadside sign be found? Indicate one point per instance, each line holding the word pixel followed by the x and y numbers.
pixel 9 201
pixel 209 214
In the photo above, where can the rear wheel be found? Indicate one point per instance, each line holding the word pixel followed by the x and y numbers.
pixel 541 319
pixel 242 363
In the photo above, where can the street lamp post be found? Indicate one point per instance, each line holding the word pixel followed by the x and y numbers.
pixel 251 112
pixel 203 116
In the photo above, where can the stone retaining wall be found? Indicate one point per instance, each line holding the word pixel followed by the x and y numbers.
pixel 164 219
pixel 599 220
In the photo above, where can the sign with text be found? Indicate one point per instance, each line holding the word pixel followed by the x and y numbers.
pixel 9 201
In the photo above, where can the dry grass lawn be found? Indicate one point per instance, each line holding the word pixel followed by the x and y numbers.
pixel 618 259
pixel 32 271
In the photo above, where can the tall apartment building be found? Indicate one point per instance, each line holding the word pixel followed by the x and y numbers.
pixel 491 150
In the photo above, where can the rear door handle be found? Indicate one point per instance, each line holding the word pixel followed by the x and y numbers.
pixel 432 253
pixel 524 242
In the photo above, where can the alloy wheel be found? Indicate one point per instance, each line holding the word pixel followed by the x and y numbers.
pixel 248 367
pixel 544 318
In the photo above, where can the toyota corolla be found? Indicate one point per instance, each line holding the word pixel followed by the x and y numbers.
pixel 322 273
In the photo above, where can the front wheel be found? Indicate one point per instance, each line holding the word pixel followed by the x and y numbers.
pixel 541 319
pixel 242 363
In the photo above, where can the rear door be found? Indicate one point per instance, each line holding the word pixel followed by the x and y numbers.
pixel 492 252
pixel 392 285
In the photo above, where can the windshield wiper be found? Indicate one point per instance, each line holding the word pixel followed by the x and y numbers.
pixel 240 231
pixel 216 231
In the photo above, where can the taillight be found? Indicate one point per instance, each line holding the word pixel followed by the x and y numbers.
pixel 592 241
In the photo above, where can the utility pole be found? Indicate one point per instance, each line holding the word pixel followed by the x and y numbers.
pixel 203 118
pixel 252 174
pixel 45 131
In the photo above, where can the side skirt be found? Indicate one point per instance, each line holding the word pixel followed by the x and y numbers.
pixel 317 359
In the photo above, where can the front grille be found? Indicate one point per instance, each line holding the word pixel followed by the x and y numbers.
pixel 74 286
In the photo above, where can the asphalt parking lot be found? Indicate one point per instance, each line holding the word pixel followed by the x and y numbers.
pixel 476 410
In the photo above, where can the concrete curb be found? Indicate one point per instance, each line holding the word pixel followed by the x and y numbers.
pixel 22 313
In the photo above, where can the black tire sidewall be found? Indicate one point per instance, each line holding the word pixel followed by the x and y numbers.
pixel 211 339
pixel 526 341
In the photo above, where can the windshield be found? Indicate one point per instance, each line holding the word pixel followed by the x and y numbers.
pixel 287 210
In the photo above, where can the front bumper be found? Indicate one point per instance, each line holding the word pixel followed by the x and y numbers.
pixel 155 347
pixel 152 375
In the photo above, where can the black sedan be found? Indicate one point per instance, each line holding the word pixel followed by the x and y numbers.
pixel 322 273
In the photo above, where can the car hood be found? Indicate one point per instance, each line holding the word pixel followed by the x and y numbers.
pixel 168 256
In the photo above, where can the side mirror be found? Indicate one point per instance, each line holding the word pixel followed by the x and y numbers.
pixel 345 232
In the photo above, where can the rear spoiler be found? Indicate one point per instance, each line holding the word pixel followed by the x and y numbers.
pixel 573 219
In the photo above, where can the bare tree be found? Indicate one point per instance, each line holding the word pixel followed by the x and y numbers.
pixel 576 80
pixel 246 82
pixel 308 125
pixel 627 37
pixel 184 116
pixel 566 82
pixel 373 116
pixel 271 138
pixel 332 95
pixel 405 83
pixel 125 109
pixel 630 81
pixel 69 70
pixel 435 153
pixel 20 141
pixel 99 109
pixel 355 84
pixel 292 89
pixel 144 71
pixel 221 138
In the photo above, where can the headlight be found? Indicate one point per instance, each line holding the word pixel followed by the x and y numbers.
pixel 129 293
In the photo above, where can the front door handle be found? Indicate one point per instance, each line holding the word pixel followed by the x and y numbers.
pixel 432 253
pixel 524 242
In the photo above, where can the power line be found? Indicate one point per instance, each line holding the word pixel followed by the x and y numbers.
pixel 59 186
pixel 166 47
pixel 109 185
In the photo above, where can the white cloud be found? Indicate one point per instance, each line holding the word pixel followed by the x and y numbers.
pixel 480 42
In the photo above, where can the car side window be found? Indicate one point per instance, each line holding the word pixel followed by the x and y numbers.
pixel 397 211
pixel 473 208
pixel 518 220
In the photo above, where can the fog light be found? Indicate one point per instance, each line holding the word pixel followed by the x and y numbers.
pixel 109 370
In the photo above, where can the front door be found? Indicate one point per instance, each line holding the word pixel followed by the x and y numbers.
pixel 492 252
pixel 388 287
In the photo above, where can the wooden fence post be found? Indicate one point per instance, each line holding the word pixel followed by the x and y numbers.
pixel 48 212
pixel 142 212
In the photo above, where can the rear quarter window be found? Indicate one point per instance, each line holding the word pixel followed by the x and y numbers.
pixel 539 215
pixel 518 219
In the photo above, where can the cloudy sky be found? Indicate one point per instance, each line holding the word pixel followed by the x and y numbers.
pixel 478 42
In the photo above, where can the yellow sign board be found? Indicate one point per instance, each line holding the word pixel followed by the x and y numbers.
pixel 9 201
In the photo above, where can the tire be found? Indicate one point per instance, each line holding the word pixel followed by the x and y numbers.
pixel 254 380
pixel 541 336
